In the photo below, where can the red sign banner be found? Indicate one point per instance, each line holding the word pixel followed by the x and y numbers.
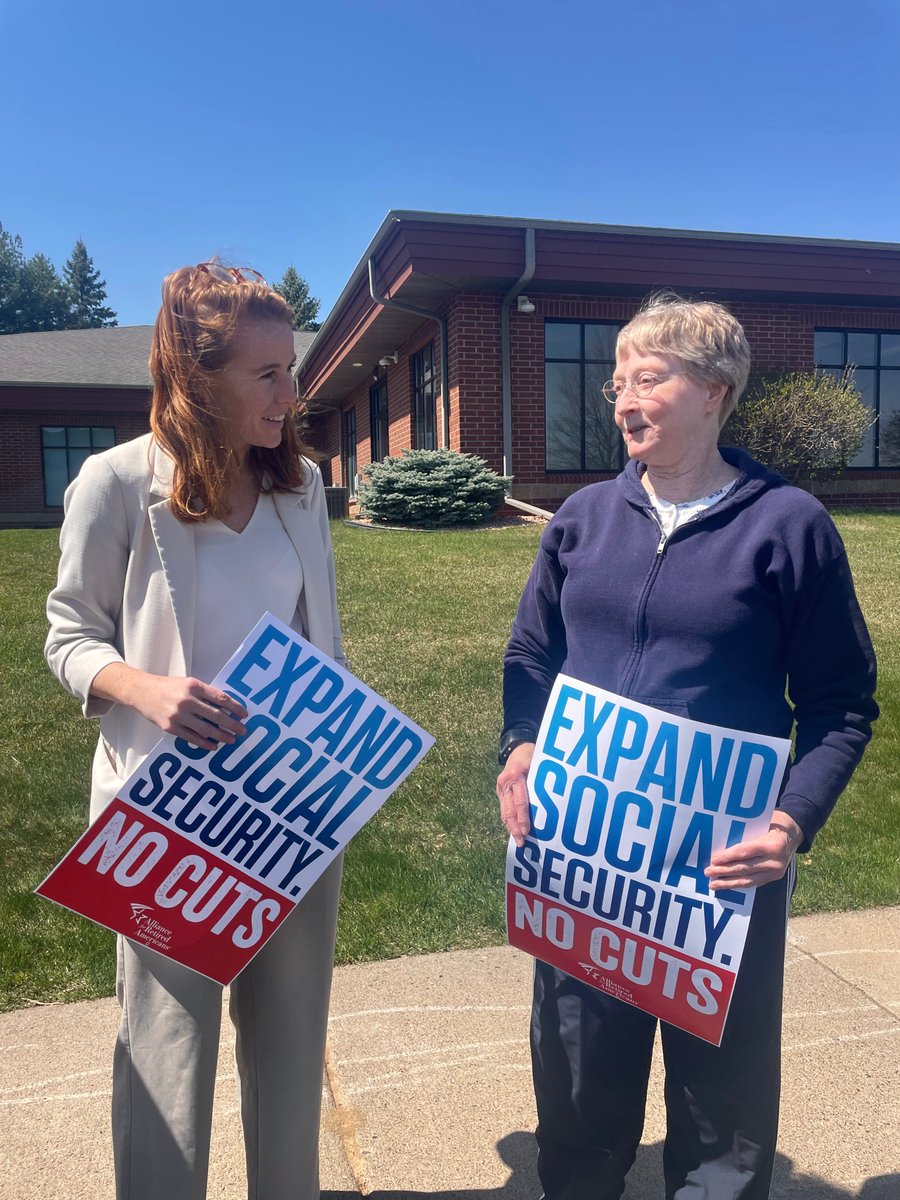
pixel 685 991
pixel 138 877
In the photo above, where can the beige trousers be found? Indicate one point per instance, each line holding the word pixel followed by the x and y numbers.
pixel 165 1059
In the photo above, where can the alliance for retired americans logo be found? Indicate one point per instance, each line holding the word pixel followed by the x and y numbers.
pixel 149 930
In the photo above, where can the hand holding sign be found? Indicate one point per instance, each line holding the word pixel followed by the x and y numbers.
pixel 187 708
pixel 634 867
pixel 753 863
pixel 512 792
pixel 211 843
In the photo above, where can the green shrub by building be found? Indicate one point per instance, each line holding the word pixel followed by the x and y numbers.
pixel 804 424
pixel 431 488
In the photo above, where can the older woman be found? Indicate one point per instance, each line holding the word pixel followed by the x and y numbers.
pixel 700 583
pixel 173 546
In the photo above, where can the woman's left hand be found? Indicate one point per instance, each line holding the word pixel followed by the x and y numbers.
pixel 750 864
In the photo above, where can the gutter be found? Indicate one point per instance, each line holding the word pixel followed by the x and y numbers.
pixel 445 356
pixel 531 509
pixel 506 384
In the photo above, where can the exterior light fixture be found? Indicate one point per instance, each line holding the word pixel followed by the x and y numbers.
pixel 524 305
pixel 389 359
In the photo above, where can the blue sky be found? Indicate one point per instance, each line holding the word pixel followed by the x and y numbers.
pixel 274 132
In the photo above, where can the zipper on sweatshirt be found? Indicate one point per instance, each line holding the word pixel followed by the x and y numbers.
pixel 639 635
pixel 640 632
pixel 663 536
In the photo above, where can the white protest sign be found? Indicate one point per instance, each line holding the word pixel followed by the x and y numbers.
pixel 627 805
pixel 203 853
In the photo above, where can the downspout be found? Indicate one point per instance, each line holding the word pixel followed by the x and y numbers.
pixel 445 356
pixel 505 373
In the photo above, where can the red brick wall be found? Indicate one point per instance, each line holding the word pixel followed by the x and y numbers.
pixel 476 406
pixel 780 335
pixel 323 436
pixel 324 432
pixel 531 481
pixel 860 489
pixel 21 466
pixel 400 387
pixel 359 400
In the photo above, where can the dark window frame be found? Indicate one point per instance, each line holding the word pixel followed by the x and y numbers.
pixel 582 362
pixel 379 425
pixel 72 451
pixel 350 456
pixel 877 368
pixel 423 398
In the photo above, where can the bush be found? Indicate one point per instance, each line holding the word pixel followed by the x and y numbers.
pixel 804 424
pixel 431 488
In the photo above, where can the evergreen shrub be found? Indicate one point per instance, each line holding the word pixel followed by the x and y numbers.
pixel 431 488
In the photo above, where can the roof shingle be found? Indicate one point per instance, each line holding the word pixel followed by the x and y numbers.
pixel 115 357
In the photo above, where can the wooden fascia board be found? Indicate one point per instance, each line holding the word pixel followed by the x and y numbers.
pixel 37 397
pixel 339 350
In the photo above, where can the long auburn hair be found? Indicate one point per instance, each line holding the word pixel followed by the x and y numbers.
pixel 191 344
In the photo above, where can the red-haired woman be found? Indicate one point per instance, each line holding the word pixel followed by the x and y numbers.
pixel 173 546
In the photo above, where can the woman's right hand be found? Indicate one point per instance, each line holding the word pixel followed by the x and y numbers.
pixel 515 808
pixel 190 709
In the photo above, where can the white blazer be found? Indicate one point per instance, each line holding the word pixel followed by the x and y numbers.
pixel 126 588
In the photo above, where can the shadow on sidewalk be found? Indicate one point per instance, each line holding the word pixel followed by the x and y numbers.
pixel 519 1153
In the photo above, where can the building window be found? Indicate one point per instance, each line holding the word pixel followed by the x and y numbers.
pixel 378 419
pixel 875 358
pixel 581 433
pixel 64 448
pixel 350 469
pixel 423 399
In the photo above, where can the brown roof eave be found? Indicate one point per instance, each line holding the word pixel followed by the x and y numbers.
pixel 404 215
pixel 459 251
pixel 359 274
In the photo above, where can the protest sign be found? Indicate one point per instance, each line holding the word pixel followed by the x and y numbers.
pixel 627 805
pixel 203 853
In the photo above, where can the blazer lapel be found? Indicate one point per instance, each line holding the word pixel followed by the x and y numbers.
pixel 303 529
pixel 175 545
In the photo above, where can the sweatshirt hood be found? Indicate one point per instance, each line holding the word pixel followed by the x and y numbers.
pixel 753 479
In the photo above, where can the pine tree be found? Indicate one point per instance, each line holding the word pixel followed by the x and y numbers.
pixel 295 290
pixel 43 297
pixel 32 296
pixel 12 265
pixel 86 292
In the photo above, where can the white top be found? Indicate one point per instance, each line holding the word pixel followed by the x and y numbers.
pixel 672 516
pixel 240 576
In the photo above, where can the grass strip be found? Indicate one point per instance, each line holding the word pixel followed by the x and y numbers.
pixel 426 617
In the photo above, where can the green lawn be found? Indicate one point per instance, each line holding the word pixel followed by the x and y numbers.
pixel 426 617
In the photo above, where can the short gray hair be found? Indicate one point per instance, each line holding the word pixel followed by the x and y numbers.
pixel 704 335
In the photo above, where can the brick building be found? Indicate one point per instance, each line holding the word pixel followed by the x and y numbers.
pixel 493 335
pixel 64 396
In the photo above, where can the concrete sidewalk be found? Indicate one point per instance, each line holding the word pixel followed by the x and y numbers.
pixel 428 1087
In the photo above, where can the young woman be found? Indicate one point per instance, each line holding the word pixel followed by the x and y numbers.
pixel 173 546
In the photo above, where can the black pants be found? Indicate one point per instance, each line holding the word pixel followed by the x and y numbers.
pixel 591 1062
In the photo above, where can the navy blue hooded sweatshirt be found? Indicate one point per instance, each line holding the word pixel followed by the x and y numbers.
pixel 752 598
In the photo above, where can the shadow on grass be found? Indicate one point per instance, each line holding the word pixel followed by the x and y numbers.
pixel 519 1152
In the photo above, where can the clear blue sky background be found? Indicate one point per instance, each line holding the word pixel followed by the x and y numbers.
pixel 274 132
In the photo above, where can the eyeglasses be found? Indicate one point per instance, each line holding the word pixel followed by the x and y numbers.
pixel 232 274
pixel 642 386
